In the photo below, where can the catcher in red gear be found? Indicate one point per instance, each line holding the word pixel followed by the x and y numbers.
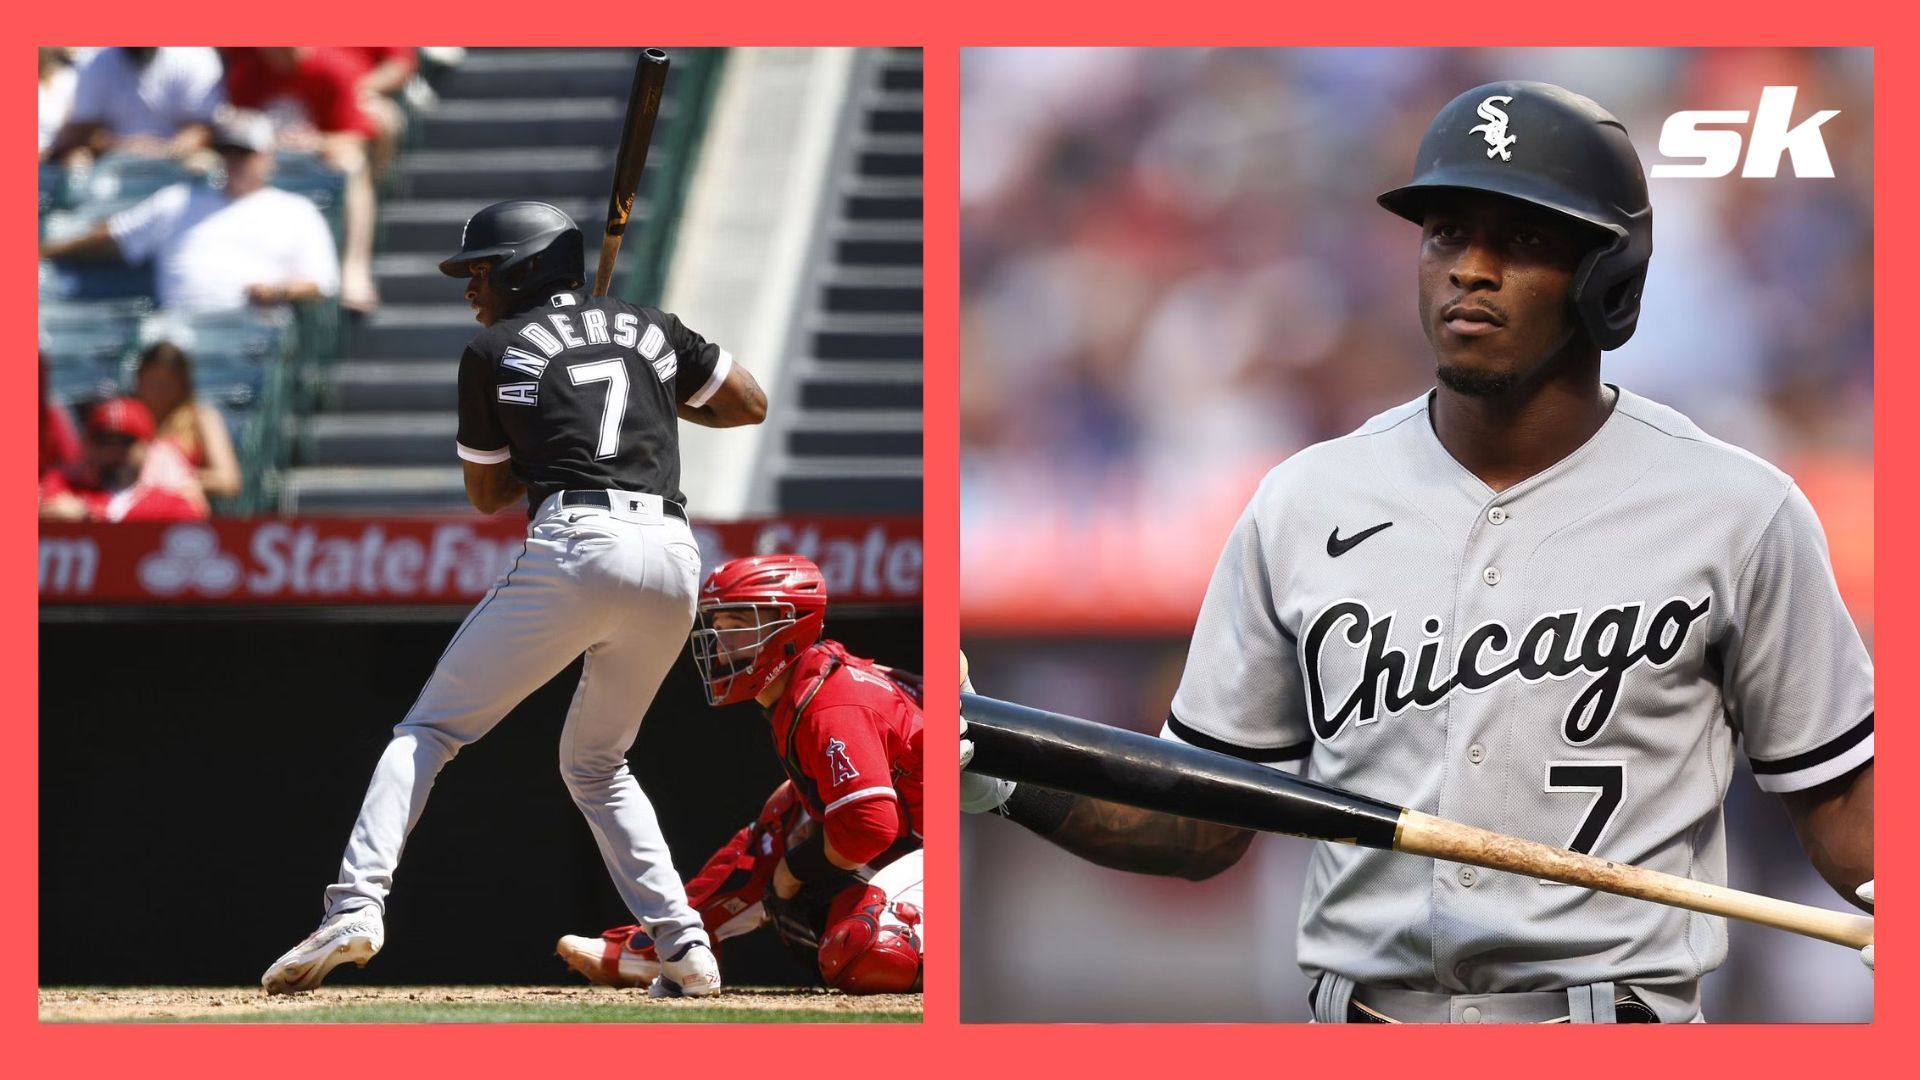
pixel 833 860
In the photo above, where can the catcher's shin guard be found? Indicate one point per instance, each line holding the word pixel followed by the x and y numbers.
pixel 873 950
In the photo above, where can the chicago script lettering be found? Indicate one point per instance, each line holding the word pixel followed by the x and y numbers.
pixel 1554 646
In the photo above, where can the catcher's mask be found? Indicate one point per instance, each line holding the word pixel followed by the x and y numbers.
pixel 756 616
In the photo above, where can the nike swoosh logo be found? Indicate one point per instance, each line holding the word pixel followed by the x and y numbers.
pixel 1337 547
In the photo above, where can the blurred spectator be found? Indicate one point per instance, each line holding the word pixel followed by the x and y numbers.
pixel 107 484
pixel 381 77
pixel 142 101
pixel 218 249
pixel 164 384
pixel 57 78
pixel 59 443
pixel 314 100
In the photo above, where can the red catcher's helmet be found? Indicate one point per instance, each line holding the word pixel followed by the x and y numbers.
pixel 756 616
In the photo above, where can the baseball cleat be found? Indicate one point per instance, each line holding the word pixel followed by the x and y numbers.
pixel 692 973
pixel 349 936
pixel 621 957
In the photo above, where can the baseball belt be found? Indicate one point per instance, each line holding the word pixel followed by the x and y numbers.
pixel 604 502
pixel 1600 1003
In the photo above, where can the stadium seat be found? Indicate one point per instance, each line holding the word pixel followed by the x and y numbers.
pixel 95 281
pixel 233 353
pixel 242 333
pixel 241 420
pixel 129 178
pixel 83 379
pixel 55 190
pixel 88 344
pixel 308 175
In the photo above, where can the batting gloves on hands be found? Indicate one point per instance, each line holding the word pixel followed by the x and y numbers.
pixel 978 794
pixel 1864 892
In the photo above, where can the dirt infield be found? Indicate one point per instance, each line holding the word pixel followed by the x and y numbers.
pixel 462 1004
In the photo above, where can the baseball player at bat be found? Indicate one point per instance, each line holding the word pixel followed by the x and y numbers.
pixel 1528 600
pixel 568 400
pixel 833 861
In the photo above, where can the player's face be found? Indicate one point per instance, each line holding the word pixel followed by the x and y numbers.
pixel 742 631
pixel 480 295
pixel 1495 275
pixel 729 639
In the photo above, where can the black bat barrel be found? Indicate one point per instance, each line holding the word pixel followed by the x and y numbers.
pixel 1032 746
pixel 643 107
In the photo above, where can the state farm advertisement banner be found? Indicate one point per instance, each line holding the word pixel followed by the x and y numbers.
pixel 428 560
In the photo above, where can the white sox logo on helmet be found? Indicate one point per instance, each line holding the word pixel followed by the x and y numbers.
pixel 1495 128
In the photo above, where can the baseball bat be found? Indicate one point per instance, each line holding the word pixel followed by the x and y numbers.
pixel 636 137
pixel 1032 746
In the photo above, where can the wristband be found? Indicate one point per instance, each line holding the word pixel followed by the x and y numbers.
pixel 808 861
pixel 1043 810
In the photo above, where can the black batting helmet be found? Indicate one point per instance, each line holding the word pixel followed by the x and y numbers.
pixel 1548 146
pixel 536 245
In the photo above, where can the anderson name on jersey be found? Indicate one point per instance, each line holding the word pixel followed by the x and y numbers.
pixel 582 392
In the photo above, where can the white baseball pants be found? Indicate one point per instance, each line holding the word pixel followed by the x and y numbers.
pixel 617 584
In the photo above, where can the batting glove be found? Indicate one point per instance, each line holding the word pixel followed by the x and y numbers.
pixel 1865 892
pixel 978 794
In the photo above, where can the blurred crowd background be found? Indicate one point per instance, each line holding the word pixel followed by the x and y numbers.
pixel 278 216
pixel 1174 275
pixel 206 215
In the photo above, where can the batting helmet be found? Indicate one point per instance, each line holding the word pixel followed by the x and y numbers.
pixel 756 616
pixel 538 247
pixel 1552 148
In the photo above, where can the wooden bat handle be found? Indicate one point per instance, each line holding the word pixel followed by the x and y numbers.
pixel 603 273
pixel 1438 838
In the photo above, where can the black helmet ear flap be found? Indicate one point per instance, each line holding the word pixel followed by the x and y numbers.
pixel 1608 285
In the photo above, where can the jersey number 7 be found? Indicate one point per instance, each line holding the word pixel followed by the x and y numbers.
pixel 1607 780
pixel 614 374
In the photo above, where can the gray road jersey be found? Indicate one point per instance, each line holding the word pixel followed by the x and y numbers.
pixel 1571 660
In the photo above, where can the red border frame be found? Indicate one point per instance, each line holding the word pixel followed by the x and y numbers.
pixel 941 1046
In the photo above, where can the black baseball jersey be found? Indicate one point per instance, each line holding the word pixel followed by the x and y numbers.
pixel 580 392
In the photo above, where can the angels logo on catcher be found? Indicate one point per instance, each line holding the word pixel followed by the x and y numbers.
pixel 843 769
